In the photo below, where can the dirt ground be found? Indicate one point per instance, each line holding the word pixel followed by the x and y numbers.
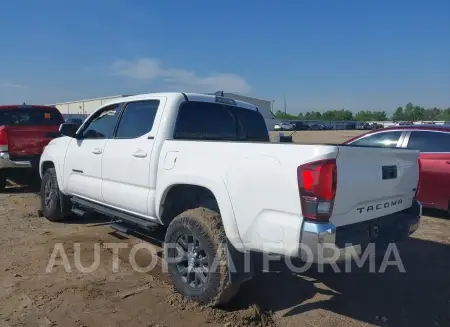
pixel 32 296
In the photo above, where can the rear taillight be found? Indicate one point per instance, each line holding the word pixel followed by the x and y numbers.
pixel 317 183
pixel 418 182
pixel 3 139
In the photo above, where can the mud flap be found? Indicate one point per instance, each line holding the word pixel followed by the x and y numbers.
pixel 240 267
pixel 65 203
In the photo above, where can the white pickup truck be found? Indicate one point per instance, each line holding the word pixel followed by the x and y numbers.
pixel 203 166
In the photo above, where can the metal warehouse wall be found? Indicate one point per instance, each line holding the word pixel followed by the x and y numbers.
pixel 83 107
pixel 264 105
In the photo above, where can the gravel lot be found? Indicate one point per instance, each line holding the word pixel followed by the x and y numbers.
pixel 30 296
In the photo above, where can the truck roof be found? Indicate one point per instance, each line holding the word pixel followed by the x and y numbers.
pixel 429 127
pixel 191 97
pixel 423 127
pixel 17 106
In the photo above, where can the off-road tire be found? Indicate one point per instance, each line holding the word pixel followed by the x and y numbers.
pixel 52 210
pixel 2 180
pixel 206 225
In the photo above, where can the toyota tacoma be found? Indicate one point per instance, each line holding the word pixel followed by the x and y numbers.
pixel 202 168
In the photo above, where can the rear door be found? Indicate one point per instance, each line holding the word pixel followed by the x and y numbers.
pixel 434 149
pixel 127 158
pixel 30 129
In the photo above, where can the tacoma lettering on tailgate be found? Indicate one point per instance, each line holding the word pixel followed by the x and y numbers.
pixel 379 206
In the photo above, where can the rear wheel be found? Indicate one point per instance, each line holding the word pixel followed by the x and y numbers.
pixel 197 259
pixel 51 197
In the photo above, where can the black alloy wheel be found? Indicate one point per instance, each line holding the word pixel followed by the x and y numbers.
pixel 194 265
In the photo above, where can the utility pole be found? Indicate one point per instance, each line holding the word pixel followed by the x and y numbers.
pixel 285 104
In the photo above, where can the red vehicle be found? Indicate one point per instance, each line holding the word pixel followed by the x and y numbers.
pixel 433 141
pixel 24 132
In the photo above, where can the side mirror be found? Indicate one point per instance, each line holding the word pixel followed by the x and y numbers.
pixel 68 129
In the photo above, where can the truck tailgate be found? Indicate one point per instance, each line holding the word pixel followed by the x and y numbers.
pixel 30 140
pixel 373 182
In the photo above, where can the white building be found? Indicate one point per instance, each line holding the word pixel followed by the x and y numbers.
pixel 83 107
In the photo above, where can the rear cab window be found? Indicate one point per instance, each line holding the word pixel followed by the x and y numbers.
pixel 30 116
pixel 198 120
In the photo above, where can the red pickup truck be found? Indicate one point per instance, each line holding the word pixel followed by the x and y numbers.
pixel 24 132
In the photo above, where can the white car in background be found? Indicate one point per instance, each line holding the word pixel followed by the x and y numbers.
pixel 284 126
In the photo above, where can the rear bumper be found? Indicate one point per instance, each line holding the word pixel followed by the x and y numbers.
pixel 7 163
pixel 326 243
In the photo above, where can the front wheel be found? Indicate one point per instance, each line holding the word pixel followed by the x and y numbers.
pixel 51 197
pixel 197 258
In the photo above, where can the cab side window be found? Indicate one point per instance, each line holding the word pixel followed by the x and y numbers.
pixel 383 139
pixel 102 125
pixel 137 119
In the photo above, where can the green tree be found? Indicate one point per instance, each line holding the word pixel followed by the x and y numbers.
pixel 281 115
pixel 363 115
pixel 410 112
pixel 418 113
pixel 398 115
pixel 313 115
pixel 379 115
pixel 433 114
pixel 329 115
pixel 342 114
pixel 445 114
pixel 368 115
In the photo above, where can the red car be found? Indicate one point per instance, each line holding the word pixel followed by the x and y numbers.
pixel 24 132
pixel 433 141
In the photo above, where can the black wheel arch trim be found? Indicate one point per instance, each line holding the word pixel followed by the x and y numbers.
pixel 241 268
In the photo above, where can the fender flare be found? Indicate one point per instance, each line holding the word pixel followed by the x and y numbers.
pixel 220 192
pixel 50 159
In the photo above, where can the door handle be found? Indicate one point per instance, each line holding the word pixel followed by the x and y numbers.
pixel 96 151
pixel 447 162
pixel 140 154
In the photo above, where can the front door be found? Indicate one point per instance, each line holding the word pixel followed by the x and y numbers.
pixel 127 158
pixel 83 161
